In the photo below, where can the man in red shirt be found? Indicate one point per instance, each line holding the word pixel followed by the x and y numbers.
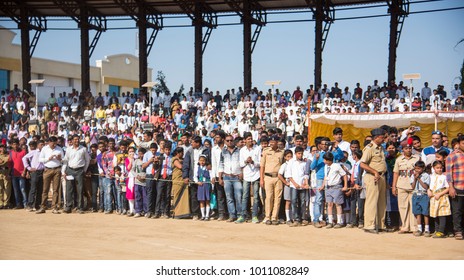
pixel 297 94
pixel 18 174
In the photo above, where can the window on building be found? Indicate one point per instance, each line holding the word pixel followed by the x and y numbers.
pixel 115 89
pixel 4 80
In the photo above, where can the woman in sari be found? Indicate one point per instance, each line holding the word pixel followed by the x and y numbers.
pixel 180 203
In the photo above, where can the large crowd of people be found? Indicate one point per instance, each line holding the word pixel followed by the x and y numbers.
pixel 238 157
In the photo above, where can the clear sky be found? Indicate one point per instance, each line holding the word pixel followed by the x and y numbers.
pixel 356 50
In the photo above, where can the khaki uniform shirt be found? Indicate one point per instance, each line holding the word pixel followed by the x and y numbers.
pixel 271 160
pixel 405 168
pixel 374 156
pixel 4 165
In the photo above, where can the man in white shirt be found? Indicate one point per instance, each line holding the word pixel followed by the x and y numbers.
pixel 219 189
pixel 51 156
pixel 295 173
pixel 75 163
pixel 249 162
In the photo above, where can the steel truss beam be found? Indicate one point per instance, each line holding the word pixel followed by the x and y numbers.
pixel 28 20
pixel 399 10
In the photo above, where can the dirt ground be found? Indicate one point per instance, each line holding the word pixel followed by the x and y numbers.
pixel 97 236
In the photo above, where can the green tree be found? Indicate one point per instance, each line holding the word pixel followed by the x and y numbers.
pixel 161 87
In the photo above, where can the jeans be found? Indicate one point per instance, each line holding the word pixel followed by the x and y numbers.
pixel 246 195
pixel 19 188
pixel 116 189
pixel 96 182
pixel 141 202
pixel 107 190
pixel 457 208
pixel 233 188
pixel 298 203
pixel 35 194
pixel 193 195
pixel 318 203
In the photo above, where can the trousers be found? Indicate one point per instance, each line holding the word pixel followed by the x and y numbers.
pixel 376 202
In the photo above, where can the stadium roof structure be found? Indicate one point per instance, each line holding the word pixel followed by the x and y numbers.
pixel 115 7
pixel 149 14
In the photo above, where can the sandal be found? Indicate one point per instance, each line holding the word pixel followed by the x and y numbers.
pixel 458 236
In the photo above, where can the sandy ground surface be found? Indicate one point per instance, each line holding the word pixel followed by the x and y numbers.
pixel 97 236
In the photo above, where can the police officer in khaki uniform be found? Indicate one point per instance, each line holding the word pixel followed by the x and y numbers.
pixel 271 160
pixel 373 162
pixel 5 183
pixel 401 187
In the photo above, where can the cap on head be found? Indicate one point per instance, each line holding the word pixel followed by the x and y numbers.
pixel 377 132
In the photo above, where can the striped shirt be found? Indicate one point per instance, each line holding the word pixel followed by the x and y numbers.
pixel 455 169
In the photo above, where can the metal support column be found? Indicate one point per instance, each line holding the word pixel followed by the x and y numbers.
pixel 197 22
pixel 143 56
pixel 25 47
pixel 85 50
pixel 398 10
pixel 247 63
pixel 324 15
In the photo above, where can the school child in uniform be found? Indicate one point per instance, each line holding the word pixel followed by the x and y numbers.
pixel 357 200
pixel 420 201
pixel 120 180
pixel 335 183
pixel 295 173
pixel 441 156
pixel 203 180
pixel 141 195
pixel 346 207
pixel 288 155
pixel 439 202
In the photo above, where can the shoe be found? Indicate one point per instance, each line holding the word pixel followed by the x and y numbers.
pixel 458 236
pixel 370 231
pixel 330 225
pixel 275 223
pixel 361 226
pixel 108 212
pixel 80 211
pixel 130 214
pixel 418 233
pixel 304 223
pixel 137 215
pixel 156 216
pixel 55 211
pixel 202 219
pixel 268 222
pixel 439 235
pixel 317 225
pixel 124 212
pixel 349 226
pixel 289 223
pixel 220 218
pixel 40 211
pixel 323 223
pixel 95 211
pixel 451 235
pixel 427 234
pixel 29 209
pixel 240 220
pixel 101 211
pixel 255 220
pixel 389 230
pixel 206 219
pixel 148 215
pixel 195 218
pixel 231 219
pixel 338 226
pixel 67 211
pixel 296 224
